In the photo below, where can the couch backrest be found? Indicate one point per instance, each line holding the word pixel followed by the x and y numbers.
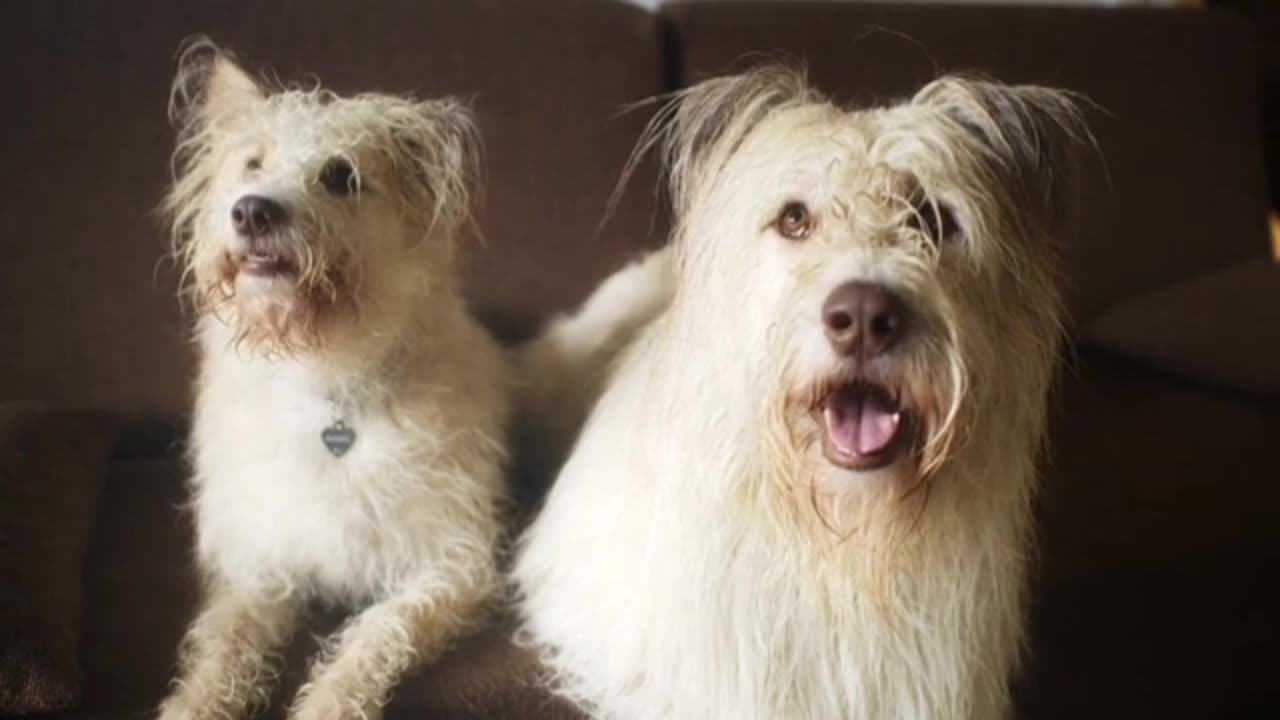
pixel 88 309
pixel 1178 190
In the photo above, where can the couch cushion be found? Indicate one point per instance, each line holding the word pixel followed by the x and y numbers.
pixel 82 291
pixel 1156 594
pixel 52 463
pixel 1180 134
pixel 139 583
pixel 1187 639
pixel 1146 471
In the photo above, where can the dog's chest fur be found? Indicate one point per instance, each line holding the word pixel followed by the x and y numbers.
pixel 756 622
pixel 274 503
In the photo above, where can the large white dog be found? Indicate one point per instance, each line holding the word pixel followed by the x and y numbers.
pixel 805 490
pixel 349 416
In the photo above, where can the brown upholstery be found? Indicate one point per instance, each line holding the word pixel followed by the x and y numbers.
pixel 139 582
pixel 1223 327
pixel 1145 470
pixel 1157 590
pixel 1189 638
pixel 52 463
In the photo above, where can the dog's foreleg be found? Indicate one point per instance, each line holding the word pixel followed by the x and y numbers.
pixel 228 657
pixel 354 679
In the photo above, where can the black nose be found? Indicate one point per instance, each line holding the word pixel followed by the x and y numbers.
pixel 863 319
pixel 255 216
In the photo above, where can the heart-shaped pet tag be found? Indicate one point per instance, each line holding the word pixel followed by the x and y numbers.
pixel 338 438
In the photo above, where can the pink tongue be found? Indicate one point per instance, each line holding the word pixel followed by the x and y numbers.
pixel 861 424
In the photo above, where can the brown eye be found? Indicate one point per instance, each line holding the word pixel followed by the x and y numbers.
pixel 338 177
pixel 794 222
pixel 935 220
pixel 253 163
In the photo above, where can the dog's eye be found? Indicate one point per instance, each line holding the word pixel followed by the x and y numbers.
pixel 253 163
pixel 794 222
pixel 935 220
pixel 338 177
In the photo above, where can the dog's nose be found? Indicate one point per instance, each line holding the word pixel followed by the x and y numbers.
pixel 255 216
pixel 863 319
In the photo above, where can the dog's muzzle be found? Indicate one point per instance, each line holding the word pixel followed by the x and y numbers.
pixel 863 424
pixel 258 222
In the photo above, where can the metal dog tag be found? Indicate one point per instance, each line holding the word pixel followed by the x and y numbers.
pixel 338 438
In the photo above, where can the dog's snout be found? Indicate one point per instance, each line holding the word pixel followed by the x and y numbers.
pixel 255 216
pixel 863 319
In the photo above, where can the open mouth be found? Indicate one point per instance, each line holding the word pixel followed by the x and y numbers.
pixel 863 426
pixel 265 264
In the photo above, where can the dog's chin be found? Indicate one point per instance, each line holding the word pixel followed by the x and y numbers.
pixel 273 308
pixel 262 269
pixel 864 426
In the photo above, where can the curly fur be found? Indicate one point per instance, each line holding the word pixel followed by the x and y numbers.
pixel 698 556
pixel 368 329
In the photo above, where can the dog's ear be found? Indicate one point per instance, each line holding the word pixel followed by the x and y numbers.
pixel 209 85
pixel 438 146
pixel 229 85
pixel 208 89
pixel 1031 135
pixel 698 128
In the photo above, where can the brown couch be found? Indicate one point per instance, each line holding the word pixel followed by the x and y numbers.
pixel 1156 594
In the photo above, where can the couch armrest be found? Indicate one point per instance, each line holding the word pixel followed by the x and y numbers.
pixel 1222 328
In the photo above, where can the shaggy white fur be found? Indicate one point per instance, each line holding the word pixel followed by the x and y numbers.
pixel 318 235
pixel 727 538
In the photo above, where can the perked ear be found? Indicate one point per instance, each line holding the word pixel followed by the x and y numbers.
pixel 438 146
pixel 209 88
pixel 209 84
pixel 229 85
pixel 699 127
pixel 1031 134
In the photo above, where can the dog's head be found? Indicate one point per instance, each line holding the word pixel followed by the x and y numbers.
pixel 298 212
pixel 884 277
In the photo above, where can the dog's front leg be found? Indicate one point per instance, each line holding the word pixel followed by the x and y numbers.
pixel 365 660
pixel 228 655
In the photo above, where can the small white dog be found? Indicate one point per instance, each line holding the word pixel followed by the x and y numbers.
pixel 349 422
pixel 805 490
